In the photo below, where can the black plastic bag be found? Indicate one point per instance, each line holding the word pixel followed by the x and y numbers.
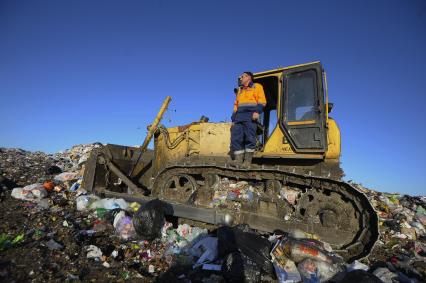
pixel 250 244
pixel 226 242
pixel 149 219
pixel 238 267
pixel 360 276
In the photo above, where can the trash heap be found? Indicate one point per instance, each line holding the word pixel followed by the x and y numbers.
pixel 52 229
pixel 20 167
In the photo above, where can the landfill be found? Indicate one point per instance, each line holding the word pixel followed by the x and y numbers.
pixel 52 229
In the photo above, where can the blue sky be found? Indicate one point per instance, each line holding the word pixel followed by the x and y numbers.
pixel 75 72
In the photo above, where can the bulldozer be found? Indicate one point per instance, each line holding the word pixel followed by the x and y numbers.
pixel 298 155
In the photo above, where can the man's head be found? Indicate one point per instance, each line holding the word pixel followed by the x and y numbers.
pixel 246 78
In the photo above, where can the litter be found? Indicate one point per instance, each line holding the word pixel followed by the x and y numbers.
pixel 385 275
pixel 209 266
pixel 32 192
pixel 52 245
pixel 109 203
pixel 66 176
pixel 93 252
pixel 250 244
pixel 239 268
pixel 205 250
pixel 149 219
pixel 289 195
pixel 356 265
pixel 124 228
pixel 308 271
pixel 298 250
pixel 288 273
pixel 83 202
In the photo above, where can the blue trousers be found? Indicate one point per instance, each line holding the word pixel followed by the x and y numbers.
pixel 243 137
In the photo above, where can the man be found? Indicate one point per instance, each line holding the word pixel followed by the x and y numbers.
pixel 249 103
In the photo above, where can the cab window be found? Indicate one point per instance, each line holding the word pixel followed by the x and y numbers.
pixel 301 100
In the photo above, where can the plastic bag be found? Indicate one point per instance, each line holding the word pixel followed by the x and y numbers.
pixel 114 216
pixel 149 219
pixel 66 176
pixel 110 203
pixel 309 271
pixel 124 228
pixel 226 241
pixel 359 275
pixel 93 252
pixel 298 250
pixel 317 271
pixel 356 265
pixel 205 250
pixel 238 267
pixel 252 245
pixel 32 192
pixel 287 273
pixel 190 234
pixel 83 202
pixel 289 194
pixel 385 275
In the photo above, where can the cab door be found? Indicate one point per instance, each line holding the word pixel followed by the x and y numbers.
pixel 302 109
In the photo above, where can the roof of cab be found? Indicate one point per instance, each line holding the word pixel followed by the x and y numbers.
pixel 280 70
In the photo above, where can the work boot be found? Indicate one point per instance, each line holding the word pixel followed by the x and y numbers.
pixel 248 156
pixel 238 159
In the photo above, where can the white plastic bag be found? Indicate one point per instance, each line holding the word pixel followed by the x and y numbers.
pixel 32 192
pixel 83 202
pixel 110 203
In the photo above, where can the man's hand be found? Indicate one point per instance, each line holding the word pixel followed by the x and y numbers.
pixel 255 116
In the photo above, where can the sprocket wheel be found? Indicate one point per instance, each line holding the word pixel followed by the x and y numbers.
pixel 178 187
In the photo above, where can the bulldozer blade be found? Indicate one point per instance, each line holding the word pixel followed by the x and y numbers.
pixel 109 167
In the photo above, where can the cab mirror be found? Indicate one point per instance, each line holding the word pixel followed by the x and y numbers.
pixel 330 106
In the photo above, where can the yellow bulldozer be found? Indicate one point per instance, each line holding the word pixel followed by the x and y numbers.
pixel 297 155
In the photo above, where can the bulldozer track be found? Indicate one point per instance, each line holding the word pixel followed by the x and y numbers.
pixel 333 210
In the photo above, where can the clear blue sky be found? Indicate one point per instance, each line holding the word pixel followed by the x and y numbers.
pixel 76 72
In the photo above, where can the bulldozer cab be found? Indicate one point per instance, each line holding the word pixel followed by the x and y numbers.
pixel 296 112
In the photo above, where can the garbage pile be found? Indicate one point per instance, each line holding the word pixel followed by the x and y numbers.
pixel 400 253
pixel 52 230
pixel 20 167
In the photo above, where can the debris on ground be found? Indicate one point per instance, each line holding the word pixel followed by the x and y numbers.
pixel 52 230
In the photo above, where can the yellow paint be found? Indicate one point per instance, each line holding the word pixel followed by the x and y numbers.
pixel 278 146
pixel 210 139
pixel 295 123
pixel 333 137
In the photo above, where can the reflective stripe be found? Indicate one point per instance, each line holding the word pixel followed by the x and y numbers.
pixel 250 150
pixel 239 151
pixel 246 104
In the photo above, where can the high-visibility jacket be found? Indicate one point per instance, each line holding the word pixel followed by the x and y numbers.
pixel 249 100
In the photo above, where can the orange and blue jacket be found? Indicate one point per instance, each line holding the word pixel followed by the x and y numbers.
pixel 249 100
